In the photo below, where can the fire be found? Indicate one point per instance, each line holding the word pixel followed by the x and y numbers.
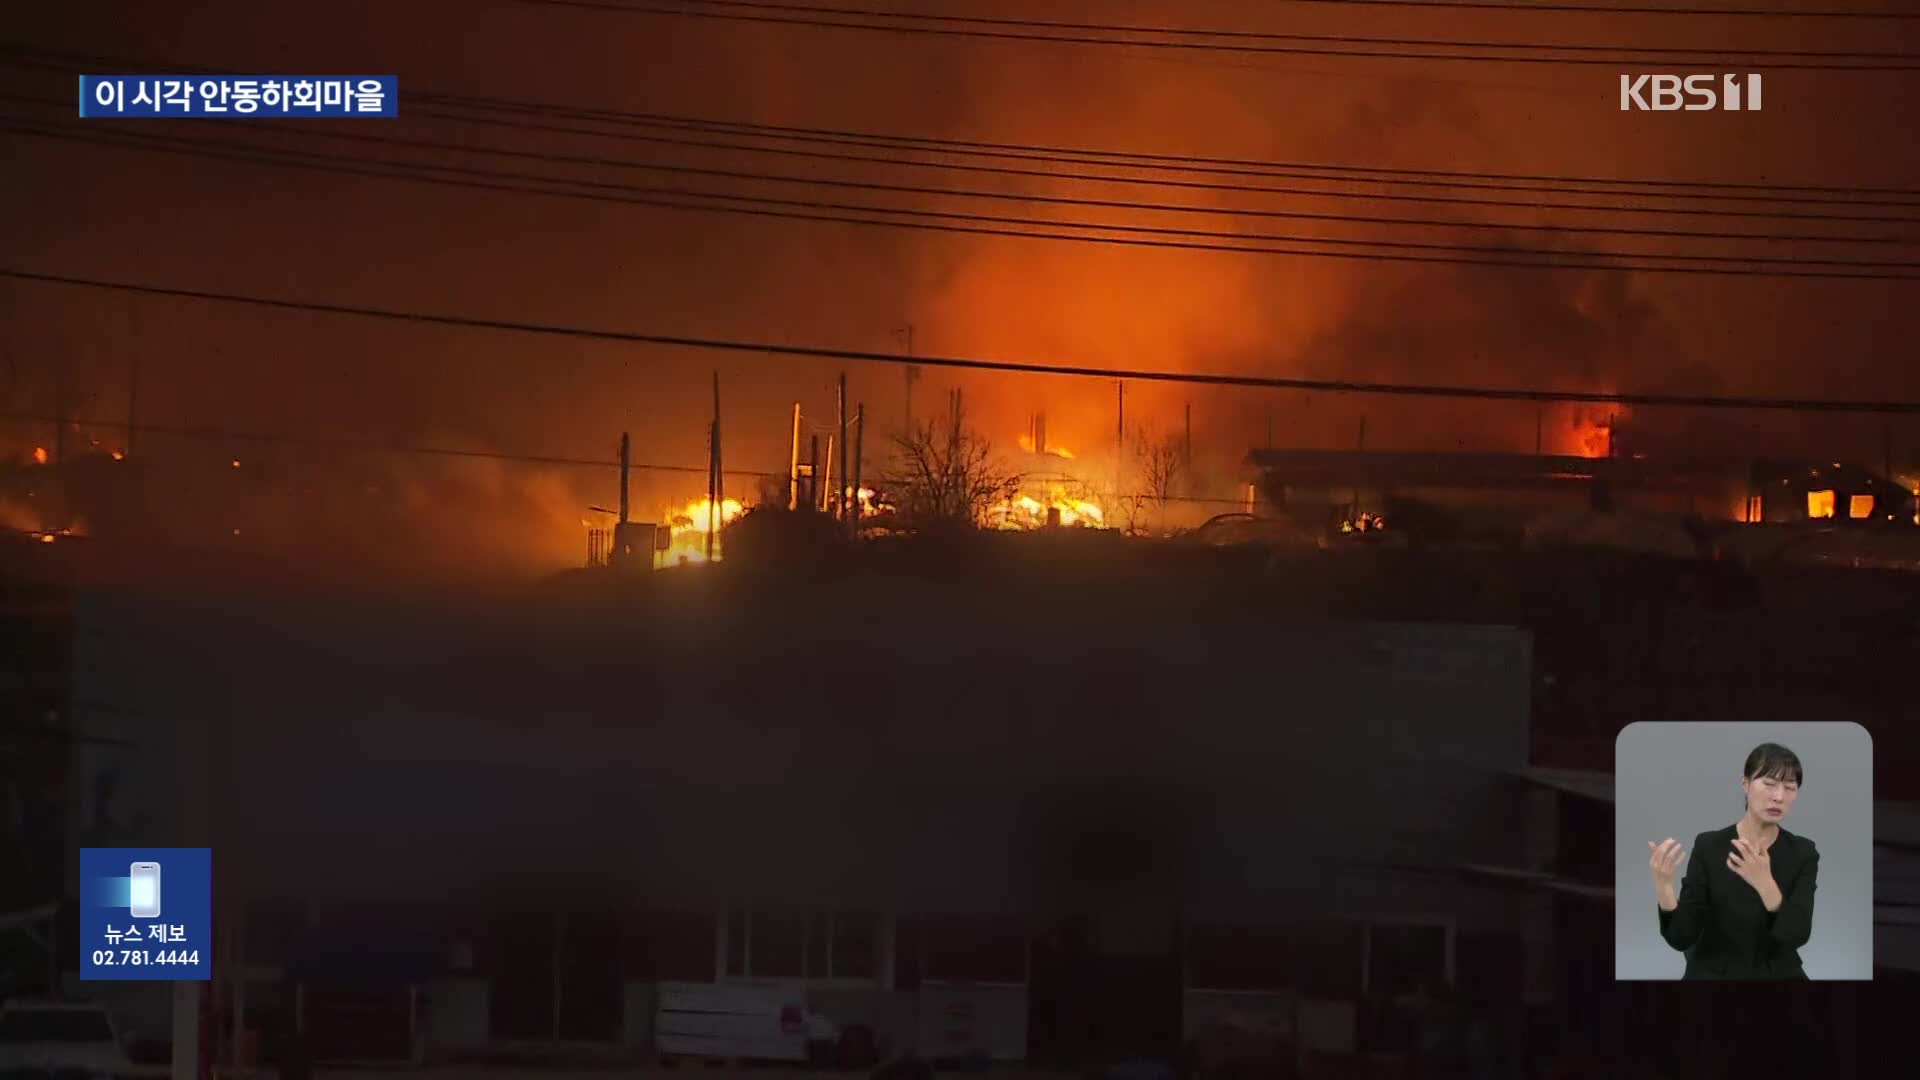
pixel 689 526
pixel 1590 431
pixel 119 455
pixel 1028 512
pixel 39 455
pixel 1026 443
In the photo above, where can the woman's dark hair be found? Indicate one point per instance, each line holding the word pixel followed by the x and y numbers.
pixel 1771 760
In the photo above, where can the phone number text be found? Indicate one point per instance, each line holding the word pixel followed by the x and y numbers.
pixel 142 957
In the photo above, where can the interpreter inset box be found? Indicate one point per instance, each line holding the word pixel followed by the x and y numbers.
pixel 1743 851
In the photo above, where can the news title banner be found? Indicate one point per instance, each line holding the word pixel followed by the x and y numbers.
pixel 239 96
pixel 146 914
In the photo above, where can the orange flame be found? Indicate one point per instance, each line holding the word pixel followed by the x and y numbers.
pixel 39 455
pixel 689 526
pixel 1590 430
pixel 1029 512
pixel 1026 443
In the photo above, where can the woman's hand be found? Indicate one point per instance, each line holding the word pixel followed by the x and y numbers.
pixel 1665 864
pixel 1755 867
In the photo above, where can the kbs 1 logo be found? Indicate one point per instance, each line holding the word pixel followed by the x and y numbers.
pixel 1692 93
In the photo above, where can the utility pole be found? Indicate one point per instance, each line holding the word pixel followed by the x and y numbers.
pixel 823 492
pixel 813 474
pixel 1120 416
pixel 793 463
pixel 839 495
pixel 714 484
pixel 1189 438
pixel 626 447
pixel 859 454
pixel 911 374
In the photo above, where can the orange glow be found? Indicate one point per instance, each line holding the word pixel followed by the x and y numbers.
pixel 1820 504
pixel 689 525
pixel 39 455
pixel 1029 512
pixel 46 538
pixel 1026 443
pixel 236 463
pixel 1589 432
pixel 1860 507
pixel 119 455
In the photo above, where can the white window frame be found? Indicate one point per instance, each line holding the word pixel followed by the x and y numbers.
pixel 1446 923
pixel 882 960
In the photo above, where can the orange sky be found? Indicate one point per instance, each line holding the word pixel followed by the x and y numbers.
pixel 111 213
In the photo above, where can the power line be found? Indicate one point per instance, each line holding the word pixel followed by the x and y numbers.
pixel 1399 48
pixel 1195 185
pixel 340 445
pixel 990 225
pixel 1050 200
pixel 1231 35
pixel 1070 155
pixel 1204 165
pixel 975 364
pixel 1597 9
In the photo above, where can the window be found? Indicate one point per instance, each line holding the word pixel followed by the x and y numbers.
pixel 1244 957
pixel 1402 957
pixel 1860 507
pixel 1328 959
pixel 790 943
pixel 669 945
pixel 855 949
pixel 1820 503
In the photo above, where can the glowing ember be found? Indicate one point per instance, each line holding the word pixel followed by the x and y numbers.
pixel 39 455
pixel 119 455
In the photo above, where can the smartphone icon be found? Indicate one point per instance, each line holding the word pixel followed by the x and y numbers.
pixel 145 894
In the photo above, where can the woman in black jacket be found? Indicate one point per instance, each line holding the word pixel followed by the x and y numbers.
pixel 1746 906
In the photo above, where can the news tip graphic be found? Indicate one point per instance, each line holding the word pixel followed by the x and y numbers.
pixel 146 914
pixel 239 96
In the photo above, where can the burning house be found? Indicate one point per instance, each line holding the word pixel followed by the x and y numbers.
pixel 1496 494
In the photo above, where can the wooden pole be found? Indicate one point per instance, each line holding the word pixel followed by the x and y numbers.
pixel 793 462
pixel 839 496
pixel 859 454
pixel 825 492
pixel 713 469
pixel 626 464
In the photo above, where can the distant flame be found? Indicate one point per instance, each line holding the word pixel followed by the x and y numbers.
pixel 1028 512
pixel 1026 443
pixel 1590 431
pixel 119 455
pixel 39 455
pixel 689 526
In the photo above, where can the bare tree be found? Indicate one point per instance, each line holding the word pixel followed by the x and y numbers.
pixel 1161 464
pixel 944 473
